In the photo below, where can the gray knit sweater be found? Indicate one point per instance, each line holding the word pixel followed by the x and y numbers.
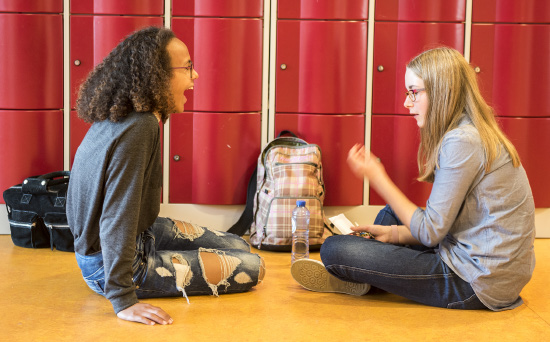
pixel 114 195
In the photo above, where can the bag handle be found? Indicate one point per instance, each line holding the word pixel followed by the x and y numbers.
pixel 65 175
pixel 41 184
pixel 284 132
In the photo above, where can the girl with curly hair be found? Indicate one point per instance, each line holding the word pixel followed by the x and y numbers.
pixel 124 250
pixel 472 245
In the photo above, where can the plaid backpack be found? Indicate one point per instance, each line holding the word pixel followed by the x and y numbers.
pixel 288 169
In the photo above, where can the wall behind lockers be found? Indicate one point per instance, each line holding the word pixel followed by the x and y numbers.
pixel 331 71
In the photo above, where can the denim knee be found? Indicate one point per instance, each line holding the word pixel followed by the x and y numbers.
pixel 333 248
pixel 168 236
pixel 387 217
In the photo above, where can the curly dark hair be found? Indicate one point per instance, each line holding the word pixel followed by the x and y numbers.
pixel 135 76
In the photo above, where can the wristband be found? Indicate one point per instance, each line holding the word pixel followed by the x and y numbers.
pixel 394 235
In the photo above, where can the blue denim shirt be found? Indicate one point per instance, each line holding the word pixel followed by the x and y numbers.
pixel 484 222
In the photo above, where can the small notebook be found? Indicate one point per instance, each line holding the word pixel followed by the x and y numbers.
pixel 342 224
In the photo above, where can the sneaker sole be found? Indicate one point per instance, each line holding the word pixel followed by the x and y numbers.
pixel 313 276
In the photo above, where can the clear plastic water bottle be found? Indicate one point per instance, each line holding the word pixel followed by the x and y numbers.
pixel 300 231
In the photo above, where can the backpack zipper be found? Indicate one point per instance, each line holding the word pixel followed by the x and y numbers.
pixel 303 163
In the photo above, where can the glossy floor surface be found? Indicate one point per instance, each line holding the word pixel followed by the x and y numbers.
pixel 45 299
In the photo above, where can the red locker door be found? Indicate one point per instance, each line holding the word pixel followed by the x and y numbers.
pixel 515 81
pixel 127 7
pixel 395 139
pixel 212 156
pixel 227 54
pixel 93 37
pixel 218 8
pixel 32 61
pixel 511 11
pixel 335 135
pixel 32 6
pixel 397 43
pixel 321 66
pixel 35 141
pixel 421 10
pixel 323 9
pixel 532 141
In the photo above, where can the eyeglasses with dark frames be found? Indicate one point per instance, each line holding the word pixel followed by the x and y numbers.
pixel 412 93
pixel 189 67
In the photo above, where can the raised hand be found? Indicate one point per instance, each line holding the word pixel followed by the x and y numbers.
pixel 363 163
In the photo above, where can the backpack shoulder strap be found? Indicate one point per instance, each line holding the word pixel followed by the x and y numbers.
pixel 245 221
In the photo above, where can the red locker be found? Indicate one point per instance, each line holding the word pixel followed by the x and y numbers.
pixel 335 135
pixel 32 61
pixel 511 11
pixel 212 156
pixel 395 139
pixel 395 44
pixel 323 9
pixel 33 6
pixel 321 66
pixel 421 10
pixel 532 141
pixel 514 79
pixel 227 54
pixel 126 7
pixel 218 8
pixel 32 144
pixel 93 37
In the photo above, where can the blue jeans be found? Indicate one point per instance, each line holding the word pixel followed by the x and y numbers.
pixel 415 272
pixel 155 274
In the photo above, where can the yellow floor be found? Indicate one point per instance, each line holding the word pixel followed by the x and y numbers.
pixel 45 299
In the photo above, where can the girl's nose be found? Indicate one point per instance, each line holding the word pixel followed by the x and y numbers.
pixel 408 103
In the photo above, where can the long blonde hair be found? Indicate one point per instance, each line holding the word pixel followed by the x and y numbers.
pixel 452 90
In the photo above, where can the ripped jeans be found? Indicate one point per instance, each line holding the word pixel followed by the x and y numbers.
pixel 155 274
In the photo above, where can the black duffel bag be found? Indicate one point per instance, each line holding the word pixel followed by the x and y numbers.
pixel 37 212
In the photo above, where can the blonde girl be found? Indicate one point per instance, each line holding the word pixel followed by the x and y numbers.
pixel 472 245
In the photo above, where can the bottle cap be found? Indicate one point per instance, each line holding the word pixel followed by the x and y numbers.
pixel 301 203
